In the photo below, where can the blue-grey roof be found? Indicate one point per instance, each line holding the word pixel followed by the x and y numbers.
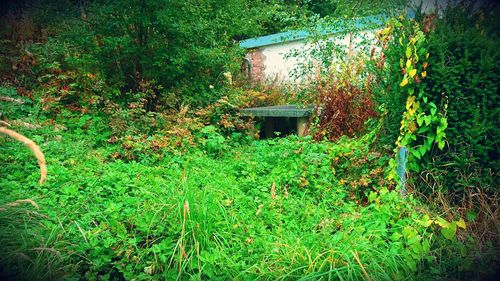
pixel 349 24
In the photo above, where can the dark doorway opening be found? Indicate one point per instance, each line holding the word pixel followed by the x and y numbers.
pixel 272 127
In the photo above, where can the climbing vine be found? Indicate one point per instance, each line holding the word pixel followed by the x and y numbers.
pixel 423 122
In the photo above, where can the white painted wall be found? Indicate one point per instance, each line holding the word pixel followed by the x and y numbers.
pixel 279 67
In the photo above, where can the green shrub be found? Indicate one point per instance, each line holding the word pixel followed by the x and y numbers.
pixel 464 65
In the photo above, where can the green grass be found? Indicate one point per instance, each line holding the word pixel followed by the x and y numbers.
pixel 281 209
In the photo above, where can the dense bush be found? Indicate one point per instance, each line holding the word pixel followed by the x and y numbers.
pixel 438 77
pixel 437 89
pixel 464 66
pixel 344 101
pixel 184 46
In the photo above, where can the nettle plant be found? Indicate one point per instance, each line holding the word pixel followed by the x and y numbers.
pixel 423 121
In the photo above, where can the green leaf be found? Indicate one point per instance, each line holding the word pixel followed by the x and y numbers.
pixel 408 52
pixel 426 247
pixel 396 236
pixel 450 231
pixel 442 222
pixel 471 216
pixel 428 120
pixel 444 122
pixel 430 139
pixel 417 248
pixel 416 153
pixel 422 149
pixel 420 120
pixel 441 144
pixel 423 129
pixel 433 108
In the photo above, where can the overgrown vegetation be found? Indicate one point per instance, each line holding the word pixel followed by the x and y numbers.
pixel 464 68
pixel 153 173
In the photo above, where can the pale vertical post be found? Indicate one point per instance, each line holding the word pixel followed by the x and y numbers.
pixel 401 168
pixel 302 123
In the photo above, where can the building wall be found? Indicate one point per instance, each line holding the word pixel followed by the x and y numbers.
pixel 277 67
pixel 270 63
pixel 257 63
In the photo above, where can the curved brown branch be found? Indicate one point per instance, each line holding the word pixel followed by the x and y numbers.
pixel 33 147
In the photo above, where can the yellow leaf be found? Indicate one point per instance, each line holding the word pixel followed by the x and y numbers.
pixel 412 127
pixel 424 73
pixel 461 223
pixel 404 82
pixel 409 102
pixel 427 55
pixel 408 52
pixel 442 222
pixel 426 221
pixel 386 30
pixel 408 63
pixel 412 73
pixel 414 108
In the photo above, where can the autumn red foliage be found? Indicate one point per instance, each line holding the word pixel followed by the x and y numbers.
pixel 343 109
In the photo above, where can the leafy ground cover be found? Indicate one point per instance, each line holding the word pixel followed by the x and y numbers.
pixel 285 208
pixel 152 175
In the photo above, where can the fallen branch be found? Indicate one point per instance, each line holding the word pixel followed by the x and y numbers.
pixel 33 147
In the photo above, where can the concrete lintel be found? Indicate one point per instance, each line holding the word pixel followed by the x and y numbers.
pixel 278 111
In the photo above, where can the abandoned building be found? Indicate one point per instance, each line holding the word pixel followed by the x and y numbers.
pixel 268 57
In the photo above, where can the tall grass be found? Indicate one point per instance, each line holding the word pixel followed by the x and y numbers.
pixel 30 244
